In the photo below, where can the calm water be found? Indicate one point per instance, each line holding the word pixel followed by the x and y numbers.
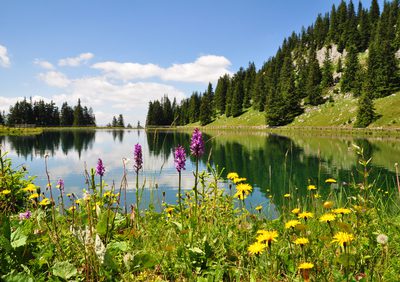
pixel 273 164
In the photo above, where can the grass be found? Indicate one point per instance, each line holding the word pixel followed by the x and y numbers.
pixel 19 131
pixel 351 234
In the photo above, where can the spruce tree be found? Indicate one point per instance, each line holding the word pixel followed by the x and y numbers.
pixel 249 81
pixel 78 114
pixel 120 122
pixel 348 82
pixel 238 93
pixel 365 112
pixel 220 93
pixel 205 109
pixel 313 88
pixel 327 71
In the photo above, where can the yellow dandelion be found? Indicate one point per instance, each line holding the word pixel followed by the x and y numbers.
pixel 317 196
pixel 107 194
pixel 240 195
pixel 306 215
pixel 232 175
pixel 244 188
pixel 296 211
pixel 29 188
pixel 286 195
pixel 71 209
pixel 258 208
pixel 328 217
pixel 239 180
pixel 328 204
pixel 341 211
pixel 267 236
pixel 44 202
pixel 343 238
pixel 34 196
pixel 330 180
pixel 256 248
pixel 6 192
pixel 292 223
pixel 306 265
pixel 301 241
pixel 169 211
pixel 78 202
pixel 311 187
pixel 69 195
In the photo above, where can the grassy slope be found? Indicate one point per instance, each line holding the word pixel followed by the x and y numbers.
pixel 340 113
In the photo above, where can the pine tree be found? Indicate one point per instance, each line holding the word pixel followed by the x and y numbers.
pixel 78 114
pixel 1 119
pixel 114 122
pixel 249 81
pixel 327 71
pixel 364 30
pixel 238 93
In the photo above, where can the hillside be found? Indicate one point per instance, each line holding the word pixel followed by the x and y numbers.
pixel 341 112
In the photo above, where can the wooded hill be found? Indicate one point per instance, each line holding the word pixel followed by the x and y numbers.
pixel 347 50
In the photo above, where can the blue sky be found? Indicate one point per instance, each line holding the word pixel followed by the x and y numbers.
pixel 118 55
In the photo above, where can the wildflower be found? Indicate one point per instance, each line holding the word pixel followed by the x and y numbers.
pixel 306 215
pixel 244 188
pixel 306 265
pixel 343 238
pixel 341 211
pixel 266 236
pixel 107 194
pixel 100 169
pixel 25 215
pixel 296 211
pixel 382 239
pixel 311 187
pixel 256 248
pixel 29 188
pixel 69 195
pixel 6 192
pixel 180 158
pixel 258 208
pixel 239 180
pixel 44 202
pixel 86 196
pixel 330 180
pixel 292 224
pixel 197 144
pixel 240 195
pixel 328 217
pixel 78 202
pixel 301 241
pixel 72 208
pixel 60 185
pixel 317 196
pixel 286 195
pixel 33 196
pixel 328 204
pixel 169 211
pixel 232 175
pixel 138 157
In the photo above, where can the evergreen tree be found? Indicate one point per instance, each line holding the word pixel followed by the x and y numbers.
pixel 238 93
pixel 1 119
pixel 364 30
pixel 205 109
pixel 78 114
pixel 114 122
pixel 365 112
pixel 348 82
pixel 120 122
pixel 194 107
pixel 313 88
pixel 220 93
pixel 327 71
pixel 249 81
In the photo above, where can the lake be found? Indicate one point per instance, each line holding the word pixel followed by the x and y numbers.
pixel 273 164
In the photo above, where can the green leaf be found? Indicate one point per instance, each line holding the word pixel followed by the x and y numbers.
pixel 177 224
pixel 120 246
pixel 101 226
pixel 143 260
pixel 64 270
pixel 5 228
pixel 17 277
pixel 18 239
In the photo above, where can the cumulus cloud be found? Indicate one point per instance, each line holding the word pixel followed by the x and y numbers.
pixel 54 78
pixel 75 61
pixel 43 64
pixel 4 59
pixel 204 69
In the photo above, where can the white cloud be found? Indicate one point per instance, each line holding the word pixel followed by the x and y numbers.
pixel 43 64
pixel 4 59
pixel 204 69
pixel 75 61
pixel 54 78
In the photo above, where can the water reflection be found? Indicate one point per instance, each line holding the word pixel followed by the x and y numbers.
pixel 273 164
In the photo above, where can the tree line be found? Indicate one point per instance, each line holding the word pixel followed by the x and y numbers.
pixel 365 39
pixel 40 113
